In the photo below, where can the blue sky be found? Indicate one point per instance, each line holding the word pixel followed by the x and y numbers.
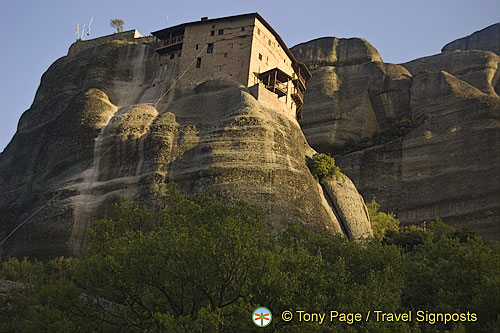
pixel 36 33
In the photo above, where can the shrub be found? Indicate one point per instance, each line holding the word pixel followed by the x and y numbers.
pixel 382 223
pixel 324 168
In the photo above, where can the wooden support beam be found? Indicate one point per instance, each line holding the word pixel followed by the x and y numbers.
pixel 275 81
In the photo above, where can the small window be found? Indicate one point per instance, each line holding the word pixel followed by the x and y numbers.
pixel 269 42
pixel 260 56
pixel 221 31
pixel 267 60
pixel 220 68
pixel 225 55
pixel 198 63
pixel 242 28
pixel 258 31
pixel 212 33
pixel 197 46
pixel 179 53
pixel 213 26
pixel 210 48
pixel 172 55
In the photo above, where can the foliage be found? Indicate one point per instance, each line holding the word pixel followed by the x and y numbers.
pixel 382 223
pixel 117 24
pixel 324 168
pixel 392 129
pixel 197 264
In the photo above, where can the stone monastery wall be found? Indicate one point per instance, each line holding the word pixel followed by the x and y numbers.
pixel 229 58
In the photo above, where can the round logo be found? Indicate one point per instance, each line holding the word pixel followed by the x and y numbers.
pixel 262 317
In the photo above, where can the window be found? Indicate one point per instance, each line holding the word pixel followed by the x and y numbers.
pixel 212 33
pixel 221 32
pixel 172 55
pixel 260 56
pixel 210 48
pixel 225 55
pixel 269 42
pixel 198 63
pixel 258 31
pixel 242 28
pixel 213 26
pixel 197 46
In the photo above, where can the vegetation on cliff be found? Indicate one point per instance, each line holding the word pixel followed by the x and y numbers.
pixel 392 129
pixel 324 168
pixel 197 264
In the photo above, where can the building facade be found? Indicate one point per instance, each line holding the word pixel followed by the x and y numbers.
pixel 242 48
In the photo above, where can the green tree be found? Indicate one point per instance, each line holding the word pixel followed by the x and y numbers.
pixel 195 257
pixel 117 24
pixel 197 264
pixel 324 168
pixel 382 223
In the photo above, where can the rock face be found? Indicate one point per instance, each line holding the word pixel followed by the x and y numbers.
pixel 349 98
pixel 478 68
pixel 446 167
pixel 350 207
pixel 101 129
pixel 485 39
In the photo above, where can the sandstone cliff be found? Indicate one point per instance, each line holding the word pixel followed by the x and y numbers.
pixel 348 98
pixel 448 166
pixel 485 39
pixel 97 132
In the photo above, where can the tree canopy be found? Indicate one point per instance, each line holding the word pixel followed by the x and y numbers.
pixel 197 264
pixel 117 24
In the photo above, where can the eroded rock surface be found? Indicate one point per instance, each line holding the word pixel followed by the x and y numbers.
pixel 446 167
pixel 485 39
pixel 99 129
pixel 351 93
pixel 350 207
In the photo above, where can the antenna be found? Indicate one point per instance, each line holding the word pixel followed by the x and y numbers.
pixel 88 29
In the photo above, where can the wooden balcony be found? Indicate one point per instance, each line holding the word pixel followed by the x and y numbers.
pixel 276 81
pixel 171 44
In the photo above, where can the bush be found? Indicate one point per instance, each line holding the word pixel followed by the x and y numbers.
pixel 324 168
pixel 382 223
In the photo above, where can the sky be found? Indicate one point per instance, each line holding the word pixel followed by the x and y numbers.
pixel 36 33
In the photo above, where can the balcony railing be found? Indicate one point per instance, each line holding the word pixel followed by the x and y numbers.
pixel 171 41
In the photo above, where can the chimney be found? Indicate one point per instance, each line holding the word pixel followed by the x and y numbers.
pixel 204 18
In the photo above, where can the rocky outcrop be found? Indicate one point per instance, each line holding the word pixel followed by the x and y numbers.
pixel 485 39
pixel 349 206
pixel 332 51
pixel 480 69
pixel 447 166
pixel 349 98
pixel 101 129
